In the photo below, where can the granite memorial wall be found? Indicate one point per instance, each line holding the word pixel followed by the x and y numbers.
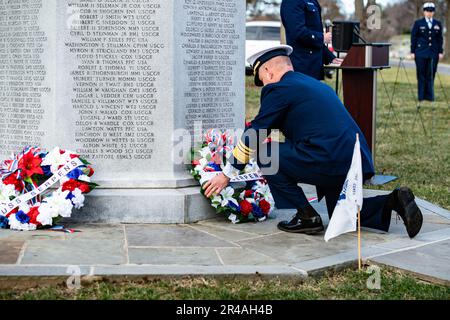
pixel 113 80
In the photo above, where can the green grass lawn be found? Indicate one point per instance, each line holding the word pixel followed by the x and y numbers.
pixel 421 161
pixel 348 284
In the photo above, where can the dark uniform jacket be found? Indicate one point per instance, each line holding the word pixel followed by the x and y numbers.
pixel 304 33
pixel 321 132
pixel 426 42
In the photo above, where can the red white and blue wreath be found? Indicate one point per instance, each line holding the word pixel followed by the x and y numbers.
pixel 28 199
pixel 248 197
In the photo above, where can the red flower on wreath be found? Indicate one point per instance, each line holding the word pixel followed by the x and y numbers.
pixel 265 206
pixel 12 179
pixel 30 164
pixel 246 207
pixel 248 193
pixel 84 187
pixel 12 212
pixel 72 184
pixel 33 214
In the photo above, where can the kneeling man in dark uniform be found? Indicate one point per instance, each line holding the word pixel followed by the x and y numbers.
pixel 318 149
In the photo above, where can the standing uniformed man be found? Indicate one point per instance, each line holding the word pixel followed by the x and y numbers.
pixel 302 20
pixel 320 138
pixel 427 49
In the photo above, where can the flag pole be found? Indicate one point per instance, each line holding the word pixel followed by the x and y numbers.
pixel 359 240
pixel 359 229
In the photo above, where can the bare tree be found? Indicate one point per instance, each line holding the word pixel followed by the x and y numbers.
pixel 269 9
pixel 264 9
pixel 359 9
pixel 331 10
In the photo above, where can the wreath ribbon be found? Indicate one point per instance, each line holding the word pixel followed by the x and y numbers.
pixel 254 176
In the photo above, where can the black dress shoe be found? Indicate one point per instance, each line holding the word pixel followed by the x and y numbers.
pixel 308 226
pixel 407 209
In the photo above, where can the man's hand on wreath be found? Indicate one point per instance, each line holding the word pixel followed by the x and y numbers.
pixel 216 185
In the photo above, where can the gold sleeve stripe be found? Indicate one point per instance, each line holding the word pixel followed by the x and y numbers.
pixel 244 147
pixel 243 151
pixel 241 157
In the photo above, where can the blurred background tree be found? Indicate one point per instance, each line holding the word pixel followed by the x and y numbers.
pixel 263 9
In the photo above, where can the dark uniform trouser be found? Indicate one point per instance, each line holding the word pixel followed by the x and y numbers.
pixel 426 72
pixel 288 195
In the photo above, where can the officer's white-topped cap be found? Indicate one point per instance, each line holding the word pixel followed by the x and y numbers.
pixel 259 58
pixel 429 6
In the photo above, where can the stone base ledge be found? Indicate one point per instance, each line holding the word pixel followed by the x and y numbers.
pixel 182 205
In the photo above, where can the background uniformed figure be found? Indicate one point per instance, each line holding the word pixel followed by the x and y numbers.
pixel 427 49
pixel 320 137
pixel 302 20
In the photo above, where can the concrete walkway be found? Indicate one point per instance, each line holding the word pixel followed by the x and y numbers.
pixel 217 247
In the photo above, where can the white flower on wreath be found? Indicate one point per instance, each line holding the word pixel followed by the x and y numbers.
pixel 263 189
pixel 216 201
pixel 84 178
pixel 201 166
pixel 251 200
pixel 59 204
pixel 15 224
pixel 46 214
pixel 252 166
pixel 24 207
pixel 78 198
pixel 6 192
pixel 63 180
pixel 233 218
pixel 227 196
pixel 205 152
pixel 55 159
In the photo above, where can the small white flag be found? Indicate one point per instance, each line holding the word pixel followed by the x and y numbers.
pixel 345 213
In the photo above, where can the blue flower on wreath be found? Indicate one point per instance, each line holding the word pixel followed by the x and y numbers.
pixel 75 174
pixel 232 205
pixel 257 212
pixel 214 166
pixel 47 170
pixel 22 217
pixel 70 196
pixel 4 222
